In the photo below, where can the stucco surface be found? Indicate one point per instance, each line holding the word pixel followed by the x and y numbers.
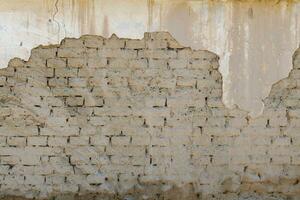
pixel 254 39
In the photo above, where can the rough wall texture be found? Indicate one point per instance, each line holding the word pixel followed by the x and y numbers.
pixel 236 30
pixel 141 119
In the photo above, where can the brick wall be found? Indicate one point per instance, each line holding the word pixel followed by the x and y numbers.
pixel 140 119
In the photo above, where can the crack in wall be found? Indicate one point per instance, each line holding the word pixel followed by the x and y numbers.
pixel 54 19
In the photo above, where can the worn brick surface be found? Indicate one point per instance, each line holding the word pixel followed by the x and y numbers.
pixel 141 119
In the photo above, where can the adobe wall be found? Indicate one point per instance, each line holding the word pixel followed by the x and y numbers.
pixel 140 119
pixel 255 39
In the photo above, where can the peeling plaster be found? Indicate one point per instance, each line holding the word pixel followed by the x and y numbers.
pixel 255 39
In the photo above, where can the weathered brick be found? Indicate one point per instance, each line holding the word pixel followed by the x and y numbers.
pixel 79 141
pixel 92 41
pixel 44 52
pixel 76 62
pixel 178 63
pixel 125 150
pixel 156 44
pixel 16 141
pixel 137 64
pixel 37 141
pixel 30 159
pixel 77 82
pixel 120 140
pixel 135 44
pixel 56 63
pixel 2 141
pixel 34 179
pixel 91 101
pixel 158 54
pixel 71 42
pixel 99 121
pixel 66 72
pixel 282 141
pixel 60 131
pixel 99 140
pixel 93 113
pixel 57 82
pixel 57 141
pixel 117 53
pixel 96 62
pixel 70 52
pixel 10 160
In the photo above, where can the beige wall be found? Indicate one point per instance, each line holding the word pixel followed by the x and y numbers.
pixel 254 39
pixel 141 119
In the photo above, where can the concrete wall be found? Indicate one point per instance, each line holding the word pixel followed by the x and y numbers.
pixel 254 39
pixel 141 119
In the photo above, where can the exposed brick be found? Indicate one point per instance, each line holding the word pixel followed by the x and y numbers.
pixel 105 115
pixel 57 141
pixel 56 63
pixel 16 141
pixel 37 141
pixel 76 62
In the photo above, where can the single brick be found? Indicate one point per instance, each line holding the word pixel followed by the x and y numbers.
pixel 37 141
